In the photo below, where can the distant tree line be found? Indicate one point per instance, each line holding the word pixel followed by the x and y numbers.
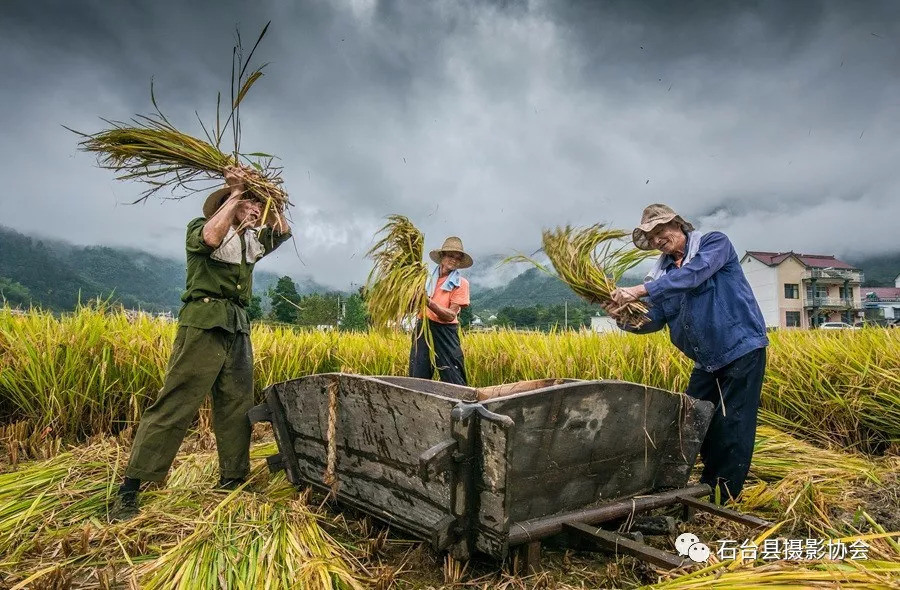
pixel 546 317
pixel 346 312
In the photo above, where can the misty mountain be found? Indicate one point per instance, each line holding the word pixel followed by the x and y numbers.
pixel 55 275
pixel 879 271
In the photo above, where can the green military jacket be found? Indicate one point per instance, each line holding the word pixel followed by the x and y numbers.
pixel 217 292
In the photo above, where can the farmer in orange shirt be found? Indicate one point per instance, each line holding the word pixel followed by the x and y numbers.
pixel 448 293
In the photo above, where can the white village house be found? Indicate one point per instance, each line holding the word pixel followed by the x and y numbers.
pixel 882 303
pixel 603 324
pixel 803 290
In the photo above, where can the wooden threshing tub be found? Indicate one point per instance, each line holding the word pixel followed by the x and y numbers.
pixel 485 469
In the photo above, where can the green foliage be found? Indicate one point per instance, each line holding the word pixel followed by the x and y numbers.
pixel 13 293
pixel 54 275
pixel 355 318
pixel 532 287
pixel 465 316
pixel 50 281
pixel 254 310
pixel 544 318
pixel 319 309
pixel 285 301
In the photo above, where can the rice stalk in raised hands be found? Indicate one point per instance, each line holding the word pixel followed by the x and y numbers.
pixel 591 261
pixel 395 287
pixel 149 148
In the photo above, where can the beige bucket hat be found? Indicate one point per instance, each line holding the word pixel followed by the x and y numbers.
pixel 654 215
pixel 452 244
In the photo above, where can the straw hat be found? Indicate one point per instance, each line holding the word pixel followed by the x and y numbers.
pixel 214 201
pixel 654 215
pixel 452 244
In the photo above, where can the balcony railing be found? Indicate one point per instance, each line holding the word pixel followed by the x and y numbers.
pixel 838 274
pixel 829 302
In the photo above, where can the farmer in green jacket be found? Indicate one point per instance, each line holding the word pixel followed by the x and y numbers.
pixel 212 351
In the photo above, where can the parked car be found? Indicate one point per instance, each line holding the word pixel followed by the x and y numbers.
pixel 837 326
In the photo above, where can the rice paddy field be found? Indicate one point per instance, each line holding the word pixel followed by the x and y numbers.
pixel 826 466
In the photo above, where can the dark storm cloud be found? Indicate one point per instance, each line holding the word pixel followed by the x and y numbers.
pixel 774 121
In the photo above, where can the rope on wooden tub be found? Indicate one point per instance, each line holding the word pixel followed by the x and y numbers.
pixel 329 478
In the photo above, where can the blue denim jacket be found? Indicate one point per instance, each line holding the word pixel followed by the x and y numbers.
pixel 708 305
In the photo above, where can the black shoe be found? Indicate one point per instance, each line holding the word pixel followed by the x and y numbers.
pixel 124 506
pixel 230 484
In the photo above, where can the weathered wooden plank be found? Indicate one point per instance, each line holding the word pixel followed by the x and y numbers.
pixel 381 429
pixel 573 445
pixel 679 452
pixel 727 513
pixel 582 443
pixel 619 544
pixel 373 417
pixel 547 526
pixel 463 500
pixel 459 392
pixel 492 526
pixel 495 391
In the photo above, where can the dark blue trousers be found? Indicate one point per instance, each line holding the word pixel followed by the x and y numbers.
pixel 728 447
pixel 448 354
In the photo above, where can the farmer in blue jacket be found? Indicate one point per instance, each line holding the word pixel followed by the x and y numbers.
pixel 698 289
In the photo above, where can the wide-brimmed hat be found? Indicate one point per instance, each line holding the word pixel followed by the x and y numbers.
pixel 452 244
pixel 654 215
pixel 214 201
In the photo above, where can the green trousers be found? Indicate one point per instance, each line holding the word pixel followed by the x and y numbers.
pixel 202 361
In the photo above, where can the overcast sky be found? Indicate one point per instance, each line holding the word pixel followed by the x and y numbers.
pixel 776 122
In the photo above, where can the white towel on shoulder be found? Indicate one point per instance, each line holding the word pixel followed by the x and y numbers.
pixel 230 249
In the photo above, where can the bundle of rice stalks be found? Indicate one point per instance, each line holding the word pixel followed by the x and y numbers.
pixel 150 149
pixel 837 390
pixel 395 288
pixel 871 574
pixel 43 501
pixel 815 489
pixel 590 261
pixel 53 526
pixel 249 544
pixel 778 456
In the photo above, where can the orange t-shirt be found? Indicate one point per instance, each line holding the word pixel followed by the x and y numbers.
pixel 459 296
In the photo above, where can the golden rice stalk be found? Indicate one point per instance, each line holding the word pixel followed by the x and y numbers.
pixel 149 148
pixel 870 574
pixel 395 288
pixel 590 262
pixel 246 543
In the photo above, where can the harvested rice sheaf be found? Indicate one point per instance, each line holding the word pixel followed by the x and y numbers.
pixel 591 261
pixel 53 526
pixel 151 149
pixel 395 288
